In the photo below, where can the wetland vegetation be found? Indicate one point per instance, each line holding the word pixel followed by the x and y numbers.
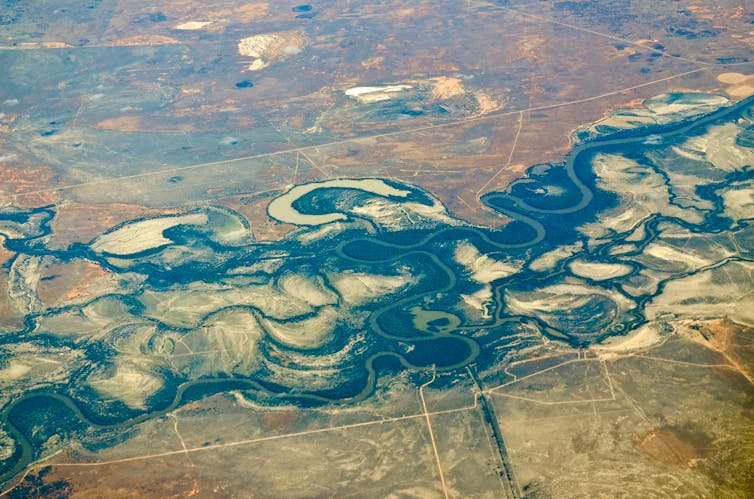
pixel 636 225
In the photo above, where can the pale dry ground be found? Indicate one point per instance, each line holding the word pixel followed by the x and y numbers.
pixel 281 208
pixel 481 267
pixel 738 85
pixel 143 235
pixel 311 333
pixel 598 271
pixel 589 427
pixel 575 426
pixel 358 287
pixel 419 486
pixel 191 18
pixel 128 383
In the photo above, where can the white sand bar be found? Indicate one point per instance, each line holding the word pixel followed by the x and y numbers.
pixel 193 25
pixel 143 235
pixel 367 95
pixel 281 208
pixel 599 271
pixel 642 338
pixel 481 267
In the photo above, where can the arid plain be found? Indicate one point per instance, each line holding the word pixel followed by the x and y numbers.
pixel 518 262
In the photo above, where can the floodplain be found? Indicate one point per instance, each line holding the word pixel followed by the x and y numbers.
pixel 273 250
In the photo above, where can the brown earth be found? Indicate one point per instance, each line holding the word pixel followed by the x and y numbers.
pixel 673 447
